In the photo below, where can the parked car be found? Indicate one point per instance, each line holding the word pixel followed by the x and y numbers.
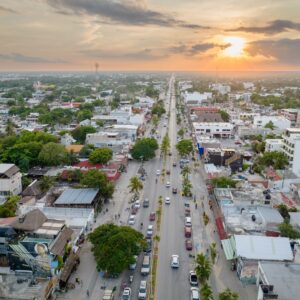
pixel 195 295
pixel 188 245
pixel 149 231
pixel 175 261
pixel 145 270
pixel 174 164
pixel 131 220
pixel 167 200
pixel 174 190
pixel 148 248
pixel 134 210
pixel 126 294
pixel 146 202
pixel 133 265
pixel 152 216
pixel 137 204
pixel 168 184
pixel 193 278
pixel 168 172
pixel 143 290
pixel 187 212
pixel 188 222
pixel 188 232
pixel 157 172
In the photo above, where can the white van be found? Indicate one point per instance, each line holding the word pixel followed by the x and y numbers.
pixel 145 270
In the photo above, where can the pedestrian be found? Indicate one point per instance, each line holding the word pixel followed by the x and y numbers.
pixel 119 216
pixel 88 293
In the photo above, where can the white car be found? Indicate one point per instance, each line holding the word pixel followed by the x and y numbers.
pixel 133 265
pixel 168 184
pixel 188 222
pixel 167 200
pixel 193 278
pixel 126 294
pixel 150 230
pixel 195 295
pixel 131 220
pixel 175 261
pixel 137 204
pixel 157 172
pixel 143 290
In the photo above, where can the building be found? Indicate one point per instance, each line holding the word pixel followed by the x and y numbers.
pixel 278 281
pixel 292 114
pixel 273 145
pixel 220 88
pixel 279 122
pixel 291 147
pixel 246 251
pixel 213 129
pixel 295 219
pixel 10 180
pixel 196 98
pixel 205 114
pixel 67 139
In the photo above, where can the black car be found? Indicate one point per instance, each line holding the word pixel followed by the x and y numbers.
pixel 148 247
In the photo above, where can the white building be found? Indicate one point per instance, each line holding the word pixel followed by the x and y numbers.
pixel 220 88
pixel 291 147
pixel 248 85
pixel 280 123
pixel 196 98
pixel 220 129
pixel 10 179
pixel 273 145
pixel 67 139
pixel 145 102
pixel 125 130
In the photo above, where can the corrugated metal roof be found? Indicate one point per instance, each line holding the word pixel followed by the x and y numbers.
pixel 229 248
pixel 263 247
pixel 77 196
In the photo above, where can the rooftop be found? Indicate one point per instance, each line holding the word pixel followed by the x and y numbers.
pixel 8 169
pixel 77 196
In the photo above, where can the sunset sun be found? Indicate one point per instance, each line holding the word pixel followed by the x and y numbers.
pixel 236 47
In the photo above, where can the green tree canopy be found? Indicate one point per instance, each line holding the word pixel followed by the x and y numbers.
pixel 206 292
pixel 276 159
pixel 135 185
pixel 144 149
pixel 114 247
pixel 84 114
pixel 223 182
pixel 9 208
pixel 287 230
pixel 53 154
pixel 224 115
pixel 98 179
pixel 181 132
pixel 158 109
pixel 101 156
pixel 228 295
pixel 185 147
pixel 270 125
pixel 79 133
pixel 165 145
pixel 203 267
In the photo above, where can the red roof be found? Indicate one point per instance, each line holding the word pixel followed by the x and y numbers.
pixel 7 221
pixel 271 173
pixel 220 228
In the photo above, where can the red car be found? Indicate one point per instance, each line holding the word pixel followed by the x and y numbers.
pixel 168 172
pixel 188 245
pixel 187 232
pixel 152 216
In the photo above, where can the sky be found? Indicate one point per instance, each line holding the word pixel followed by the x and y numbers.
pixel 150 35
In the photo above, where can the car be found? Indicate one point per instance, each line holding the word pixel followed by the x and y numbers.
pixel 174 164
pixel 137 204
pixel 188 222
pixel 174 190
pixel 148 247
pixel 188 245
pixel 146 202
pixel 167 200
pixel 145 270
pixel 143 290
pixel 238 142
pixel 126 294
pixel 152 216
pixel 187 232
pixel 131 220
pixel 134 210
pixel 187 212
pixel 170 153
pixel 133 265
pixel 193 278
pixel 157 172
pixel 186 204
pixel 149 231
pixel 175 261
pixel 168 172
pixel 168 184
pixel 195 295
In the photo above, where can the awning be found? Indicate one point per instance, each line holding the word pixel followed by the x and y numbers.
pixel 229 248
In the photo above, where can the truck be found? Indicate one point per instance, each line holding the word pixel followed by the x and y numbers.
pixel 108 295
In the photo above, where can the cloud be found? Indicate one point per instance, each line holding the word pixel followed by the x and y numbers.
pixel 20 58
pixel 144 54
pixel 274 27
pixel 7 10
pixel 119 12
pixel 196 49
pixel 285 51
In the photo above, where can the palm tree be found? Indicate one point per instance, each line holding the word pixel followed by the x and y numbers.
pixel 213 252
pixel 203 268
pixel 185 171
pixel 228 295
pixel 206 292
pixel 46 183
pixel 135 185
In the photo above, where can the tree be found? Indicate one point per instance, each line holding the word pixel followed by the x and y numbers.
pixel 186 171
pixel 206 292
pixel 180 132
pixel 86 150
pixel 135 185
pixel 158 109
pixel 270 125
pixel 101 156
pixel 213 252
pixel 9 208
pixel 223 182
pixel 144 149
pixel 46 183
pixel 53 154
pixel 284 211
pixel 276 159
pixel 228 295
pixel 84 114
pixel 165 145
pixel 185 147
pixel 79 133
pixel 203 268
pixel 114 247
pixel 155 120
pixel 98 179
pixel 287 230
pixel 224 115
